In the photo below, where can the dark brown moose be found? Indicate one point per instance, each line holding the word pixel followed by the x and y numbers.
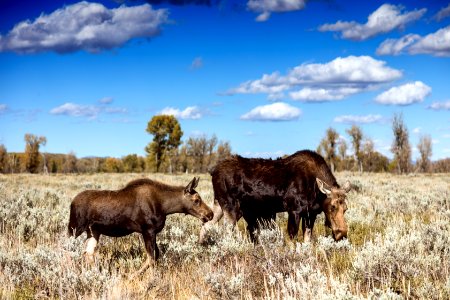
pixel 256 189
pixel 141 206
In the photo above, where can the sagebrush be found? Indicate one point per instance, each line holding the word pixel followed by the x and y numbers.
pixel 398 247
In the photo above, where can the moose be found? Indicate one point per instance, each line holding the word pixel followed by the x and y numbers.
pixel 141 206
pixel 256 189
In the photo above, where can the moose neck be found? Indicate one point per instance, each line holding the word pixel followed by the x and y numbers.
pixel 172 201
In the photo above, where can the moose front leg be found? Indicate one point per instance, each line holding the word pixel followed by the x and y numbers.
pixel 307 226
pixel 293 224
pixel 151 248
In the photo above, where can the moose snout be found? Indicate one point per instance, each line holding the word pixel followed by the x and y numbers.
pixel 340 233
pixel 208 217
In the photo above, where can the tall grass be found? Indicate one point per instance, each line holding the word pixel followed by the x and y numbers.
pixel 398 247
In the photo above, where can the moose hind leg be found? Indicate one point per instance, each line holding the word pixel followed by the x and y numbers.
pixel 91 243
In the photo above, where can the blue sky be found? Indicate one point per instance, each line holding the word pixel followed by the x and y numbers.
pixel 269 76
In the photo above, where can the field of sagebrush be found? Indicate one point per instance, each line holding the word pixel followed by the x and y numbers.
pixel 398 247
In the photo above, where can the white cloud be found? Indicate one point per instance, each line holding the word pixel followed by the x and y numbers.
pixel 266 7
pixel 440 105
pixel 75 110
pixel 190 112
pixel 436 44
pixel 3 108
pixel 406 94
pixel 271 84
pixel 352 119
pixel 323 94
pixel 278 111
pixel 417 130
pixel 88 111
pixel 396 46
pixel 385 19
pixel 197 63
pixel 443 13
pixel 84 26
pixel 329 81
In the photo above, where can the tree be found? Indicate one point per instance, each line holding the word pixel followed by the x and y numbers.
pixel 211 145
pixel 167 135
pixel 70 163
pixel 32 144
pixel 425 150
pixel 113 165
pixel 327 147
pixel 400 146
pixel 223 151
pixel 3 159
pixel 133 163
pixel 197 149
pixel 356 135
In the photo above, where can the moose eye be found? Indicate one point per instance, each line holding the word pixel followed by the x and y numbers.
pixel 197 201
pixel 333 207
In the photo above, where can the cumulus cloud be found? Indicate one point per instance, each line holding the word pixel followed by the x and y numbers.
pixel 190 112
pixel 437 105
pixel 386 18
pixel 266 7
pixel 323 94
pixel 278 111
pixel 76 110
pixel 443 13
pixel 353 119
pixel 84 26
pixel 330 81
pixel 406 94
pixel 90 112
pixel 396 46
pixel 436 44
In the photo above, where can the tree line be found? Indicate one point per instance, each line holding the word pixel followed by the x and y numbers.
pixel 167 153
pixel 334 149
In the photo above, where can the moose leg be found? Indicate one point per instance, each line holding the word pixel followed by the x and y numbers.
pixel 307 226
pixel 91 242
pixel 293 224
pixel 252 227
pixel 218 214
pixel 151 248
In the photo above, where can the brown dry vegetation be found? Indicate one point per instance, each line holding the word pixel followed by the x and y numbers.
pixel 398 247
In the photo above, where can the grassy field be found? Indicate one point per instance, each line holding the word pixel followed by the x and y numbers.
pixel 398 247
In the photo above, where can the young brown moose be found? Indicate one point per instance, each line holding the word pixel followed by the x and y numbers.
pixel 141 206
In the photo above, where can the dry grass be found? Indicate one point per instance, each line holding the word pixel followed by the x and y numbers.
pixel 398 247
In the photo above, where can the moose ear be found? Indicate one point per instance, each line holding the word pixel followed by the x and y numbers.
pixel 347 186
pixel 323 187
pixel 190 187
pixel 195 182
